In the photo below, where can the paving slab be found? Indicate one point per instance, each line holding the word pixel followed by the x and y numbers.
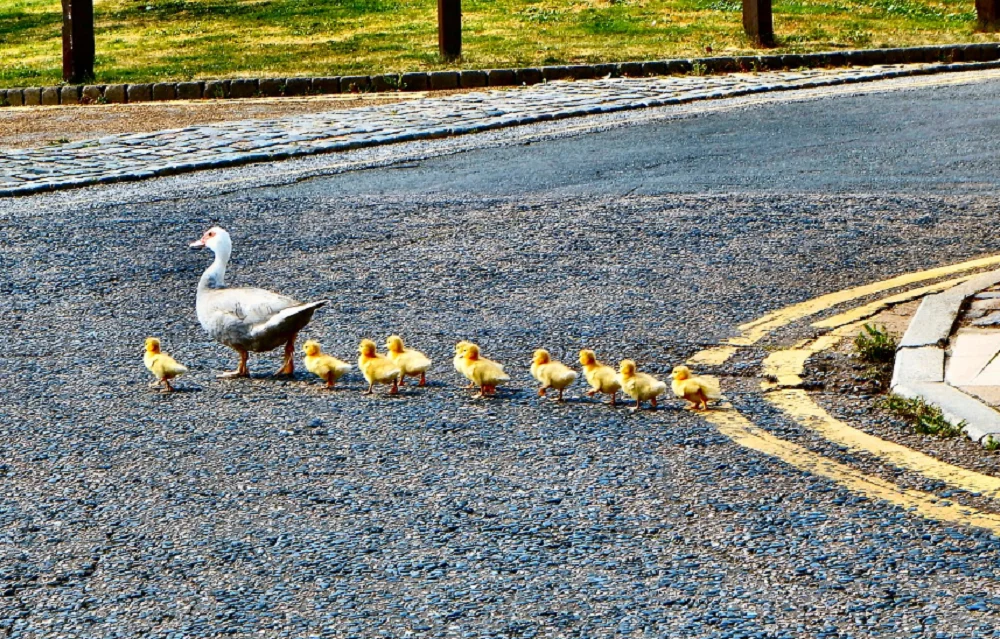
pixel 924 364
pixel 971 350
pixel 932 322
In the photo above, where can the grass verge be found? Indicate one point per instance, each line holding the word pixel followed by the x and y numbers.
pixel 159 40
pixel 925 418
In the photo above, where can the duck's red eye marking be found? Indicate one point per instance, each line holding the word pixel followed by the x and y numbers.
pixel 212 234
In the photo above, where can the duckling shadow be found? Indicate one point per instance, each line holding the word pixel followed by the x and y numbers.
pixel 178 390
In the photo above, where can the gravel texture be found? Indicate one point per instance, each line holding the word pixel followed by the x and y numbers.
pixel 276 507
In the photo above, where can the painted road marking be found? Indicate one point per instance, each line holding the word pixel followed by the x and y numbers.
pixel 733 425
pixel 797 404
pixel 876 307
pixel 753 332
pixel 786 368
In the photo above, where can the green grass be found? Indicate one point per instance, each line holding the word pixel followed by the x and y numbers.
pixel 150 40
pixel 925 418
pixel 875 347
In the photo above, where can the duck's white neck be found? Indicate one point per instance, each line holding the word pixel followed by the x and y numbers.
pixel 215 275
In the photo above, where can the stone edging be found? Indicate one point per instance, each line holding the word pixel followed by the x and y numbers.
pixel 919 371
pixel 443 80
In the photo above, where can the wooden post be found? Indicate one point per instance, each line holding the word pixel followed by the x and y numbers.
pixel 78 40
pixel 450 28
pixel 757 21
pixel 987 14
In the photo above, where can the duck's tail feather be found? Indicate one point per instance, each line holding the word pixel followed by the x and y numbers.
pixel 291 319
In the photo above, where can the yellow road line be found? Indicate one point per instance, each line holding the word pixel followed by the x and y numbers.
pixel 786 367
pixel 797 404
pixel 752 332
pixel 712 356
pixel 733 425
pixel 866 311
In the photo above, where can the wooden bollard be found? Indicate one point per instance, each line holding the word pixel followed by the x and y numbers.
pixel 78 40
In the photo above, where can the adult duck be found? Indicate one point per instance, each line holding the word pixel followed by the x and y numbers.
pixel 246 319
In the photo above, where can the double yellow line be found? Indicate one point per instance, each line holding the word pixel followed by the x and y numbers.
pixel 785 368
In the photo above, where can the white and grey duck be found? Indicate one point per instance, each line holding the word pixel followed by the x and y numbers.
pixel 246 319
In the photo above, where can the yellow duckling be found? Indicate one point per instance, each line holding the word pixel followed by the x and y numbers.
pixel 602 378
pixel 484 373
pixel 696 390
pixel 459 360
pixel 322 365
pixel 377 369
pixel 639 386
pixel 410 362
pixel 163 366
pixel 551 374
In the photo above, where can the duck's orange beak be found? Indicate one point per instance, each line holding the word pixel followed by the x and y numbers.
pixel 200 243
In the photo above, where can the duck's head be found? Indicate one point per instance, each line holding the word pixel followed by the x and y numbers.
pixel 681 373
pixel 461 347
pixel 587 357
pixel 541 356
pixel 627 368
pixel 152 345
pixel 311 348
pixel 366 348
pixel 215 238
pixel 472 352
pixel 394 344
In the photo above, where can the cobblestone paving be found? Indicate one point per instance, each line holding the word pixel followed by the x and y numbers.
pixel 143 155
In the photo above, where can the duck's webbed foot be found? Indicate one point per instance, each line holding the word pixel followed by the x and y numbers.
pixel 242 370
pixel 288 367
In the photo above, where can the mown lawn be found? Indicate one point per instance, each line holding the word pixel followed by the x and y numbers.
pixel 147 40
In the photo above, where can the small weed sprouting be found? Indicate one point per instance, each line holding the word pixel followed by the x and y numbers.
pixel 991 443
pixel 875 347
pixel 926 419
pixel 699 69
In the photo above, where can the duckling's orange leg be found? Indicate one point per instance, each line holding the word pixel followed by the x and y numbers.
pixel 638 405
pixel 166 382
pixel 704 401
pixel 288 368
pixel 370 389
pixel 423 379
pixel 330 381
pixel 614 398
pixel 241 370
pixel 541 391
pixel 395 388
pixel 559 399
pixel 591 392
pixel 653 403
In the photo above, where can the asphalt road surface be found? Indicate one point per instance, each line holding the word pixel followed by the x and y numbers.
pixel 279 508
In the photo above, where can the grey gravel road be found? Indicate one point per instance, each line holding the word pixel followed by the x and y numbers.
pixel 280 509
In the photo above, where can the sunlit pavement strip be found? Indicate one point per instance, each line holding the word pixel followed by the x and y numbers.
pixel 785 368
pixel 143 155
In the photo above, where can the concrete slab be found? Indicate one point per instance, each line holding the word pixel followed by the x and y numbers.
pixel 980 420
pixel 971 350
pixel 918 365
pixel 989 394
pixel 933 321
